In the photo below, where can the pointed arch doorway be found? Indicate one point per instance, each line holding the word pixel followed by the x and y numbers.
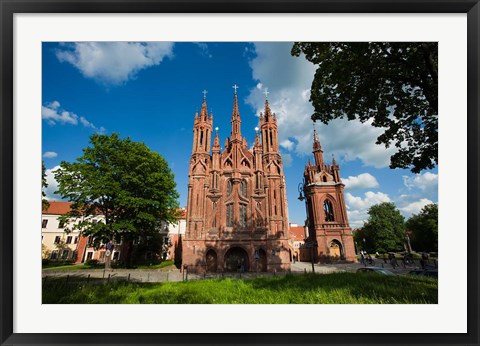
pixel 335 251
pixel 236 260
pixel 211 260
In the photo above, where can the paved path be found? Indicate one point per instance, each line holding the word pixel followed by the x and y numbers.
pixel 348 267
pixel 174 274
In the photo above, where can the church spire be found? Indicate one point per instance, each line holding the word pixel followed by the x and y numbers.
pixel 202 128
pixel 216 141
pixel 236 122
pixel 204 110
pixel 317 150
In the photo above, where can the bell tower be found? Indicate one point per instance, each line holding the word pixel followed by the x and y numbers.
pixel 327 220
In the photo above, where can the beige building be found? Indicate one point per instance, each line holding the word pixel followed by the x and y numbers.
pixel 56 243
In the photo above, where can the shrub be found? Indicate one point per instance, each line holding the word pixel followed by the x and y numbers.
pixel 91 262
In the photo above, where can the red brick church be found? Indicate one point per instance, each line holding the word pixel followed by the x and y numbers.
pixel 237 217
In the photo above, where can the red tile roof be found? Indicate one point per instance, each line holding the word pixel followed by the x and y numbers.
pixel 61 208
pixel 57 208
pixel 297 233
pixel 183 214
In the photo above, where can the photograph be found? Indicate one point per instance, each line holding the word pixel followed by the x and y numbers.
pixel 239 172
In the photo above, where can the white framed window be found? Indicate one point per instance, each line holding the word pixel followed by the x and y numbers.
pixel 44 223
pixel 57 239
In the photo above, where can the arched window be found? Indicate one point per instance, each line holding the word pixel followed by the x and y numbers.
pixel 243 188
pixel 328 209
pixel 229 215
pixel 229 188
pixel 243 215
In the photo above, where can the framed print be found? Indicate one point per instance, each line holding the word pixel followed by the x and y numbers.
pixel 255 205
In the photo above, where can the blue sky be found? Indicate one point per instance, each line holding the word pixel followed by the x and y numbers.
pixel 151 91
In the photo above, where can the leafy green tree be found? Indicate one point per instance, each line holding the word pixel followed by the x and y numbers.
pixel 125 181
pixel 45 203
pixel 364 233
pixel 385 227
pixel 423 228
pixel 392 84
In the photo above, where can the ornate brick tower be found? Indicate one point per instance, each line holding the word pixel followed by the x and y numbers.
pixel 237 206
pixel 327 220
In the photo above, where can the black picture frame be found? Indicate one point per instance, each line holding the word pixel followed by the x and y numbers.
pixel 10 7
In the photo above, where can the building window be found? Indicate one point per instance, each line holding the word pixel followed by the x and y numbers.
pixel 54 255
pixel 328 209
pixel 76 240
pixel 69 240
pixel 44 223
pixel 243 215
pixel 90 240
pixel 57 240
pixel 243 188
pixel 89 255
pixel 61 224
pixel 229 188
pixel 65 254
pixel 229 215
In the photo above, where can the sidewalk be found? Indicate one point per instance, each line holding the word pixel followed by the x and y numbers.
pixel 348 267
pixel 174 275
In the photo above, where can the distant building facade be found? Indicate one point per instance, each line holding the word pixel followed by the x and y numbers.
pixel 328 230
pixel 297 242
pixel 237 216
pixel 59 245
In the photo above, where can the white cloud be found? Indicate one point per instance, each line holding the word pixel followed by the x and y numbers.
pixel 287 160
pixel 289 99
pixel 53 114
pixel 415 207
pixel 287 144
pixel 370 199
pixel 52 185
pixel 357 207
pixel 427 182
pixel 204 49
pixel 50 154
pixel 114 63
pixel 361 181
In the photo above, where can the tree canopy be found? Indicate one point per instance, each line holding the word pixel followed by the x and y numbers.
pixel 423 228
pixel 392 84
pixel 384 231
pixel 123 180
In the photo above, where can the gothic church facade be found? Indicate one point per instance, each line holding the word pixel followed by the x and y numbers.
pixel 237 216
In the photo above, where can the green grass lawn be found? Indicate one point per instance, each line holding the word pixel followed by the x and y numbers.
pixel 70 267
pixel 337 288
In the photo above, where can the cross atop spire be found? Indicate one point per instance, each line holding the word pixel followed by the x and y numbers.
pixel 266 93
pixel 235 87
pixel 204 92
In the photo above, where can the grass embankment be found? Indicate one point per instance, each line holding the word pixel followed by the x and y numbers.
pixel 338 288
pixel 85 266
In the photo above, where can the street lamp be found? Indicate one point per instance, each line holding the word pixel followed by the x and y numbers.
pixel 311 244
